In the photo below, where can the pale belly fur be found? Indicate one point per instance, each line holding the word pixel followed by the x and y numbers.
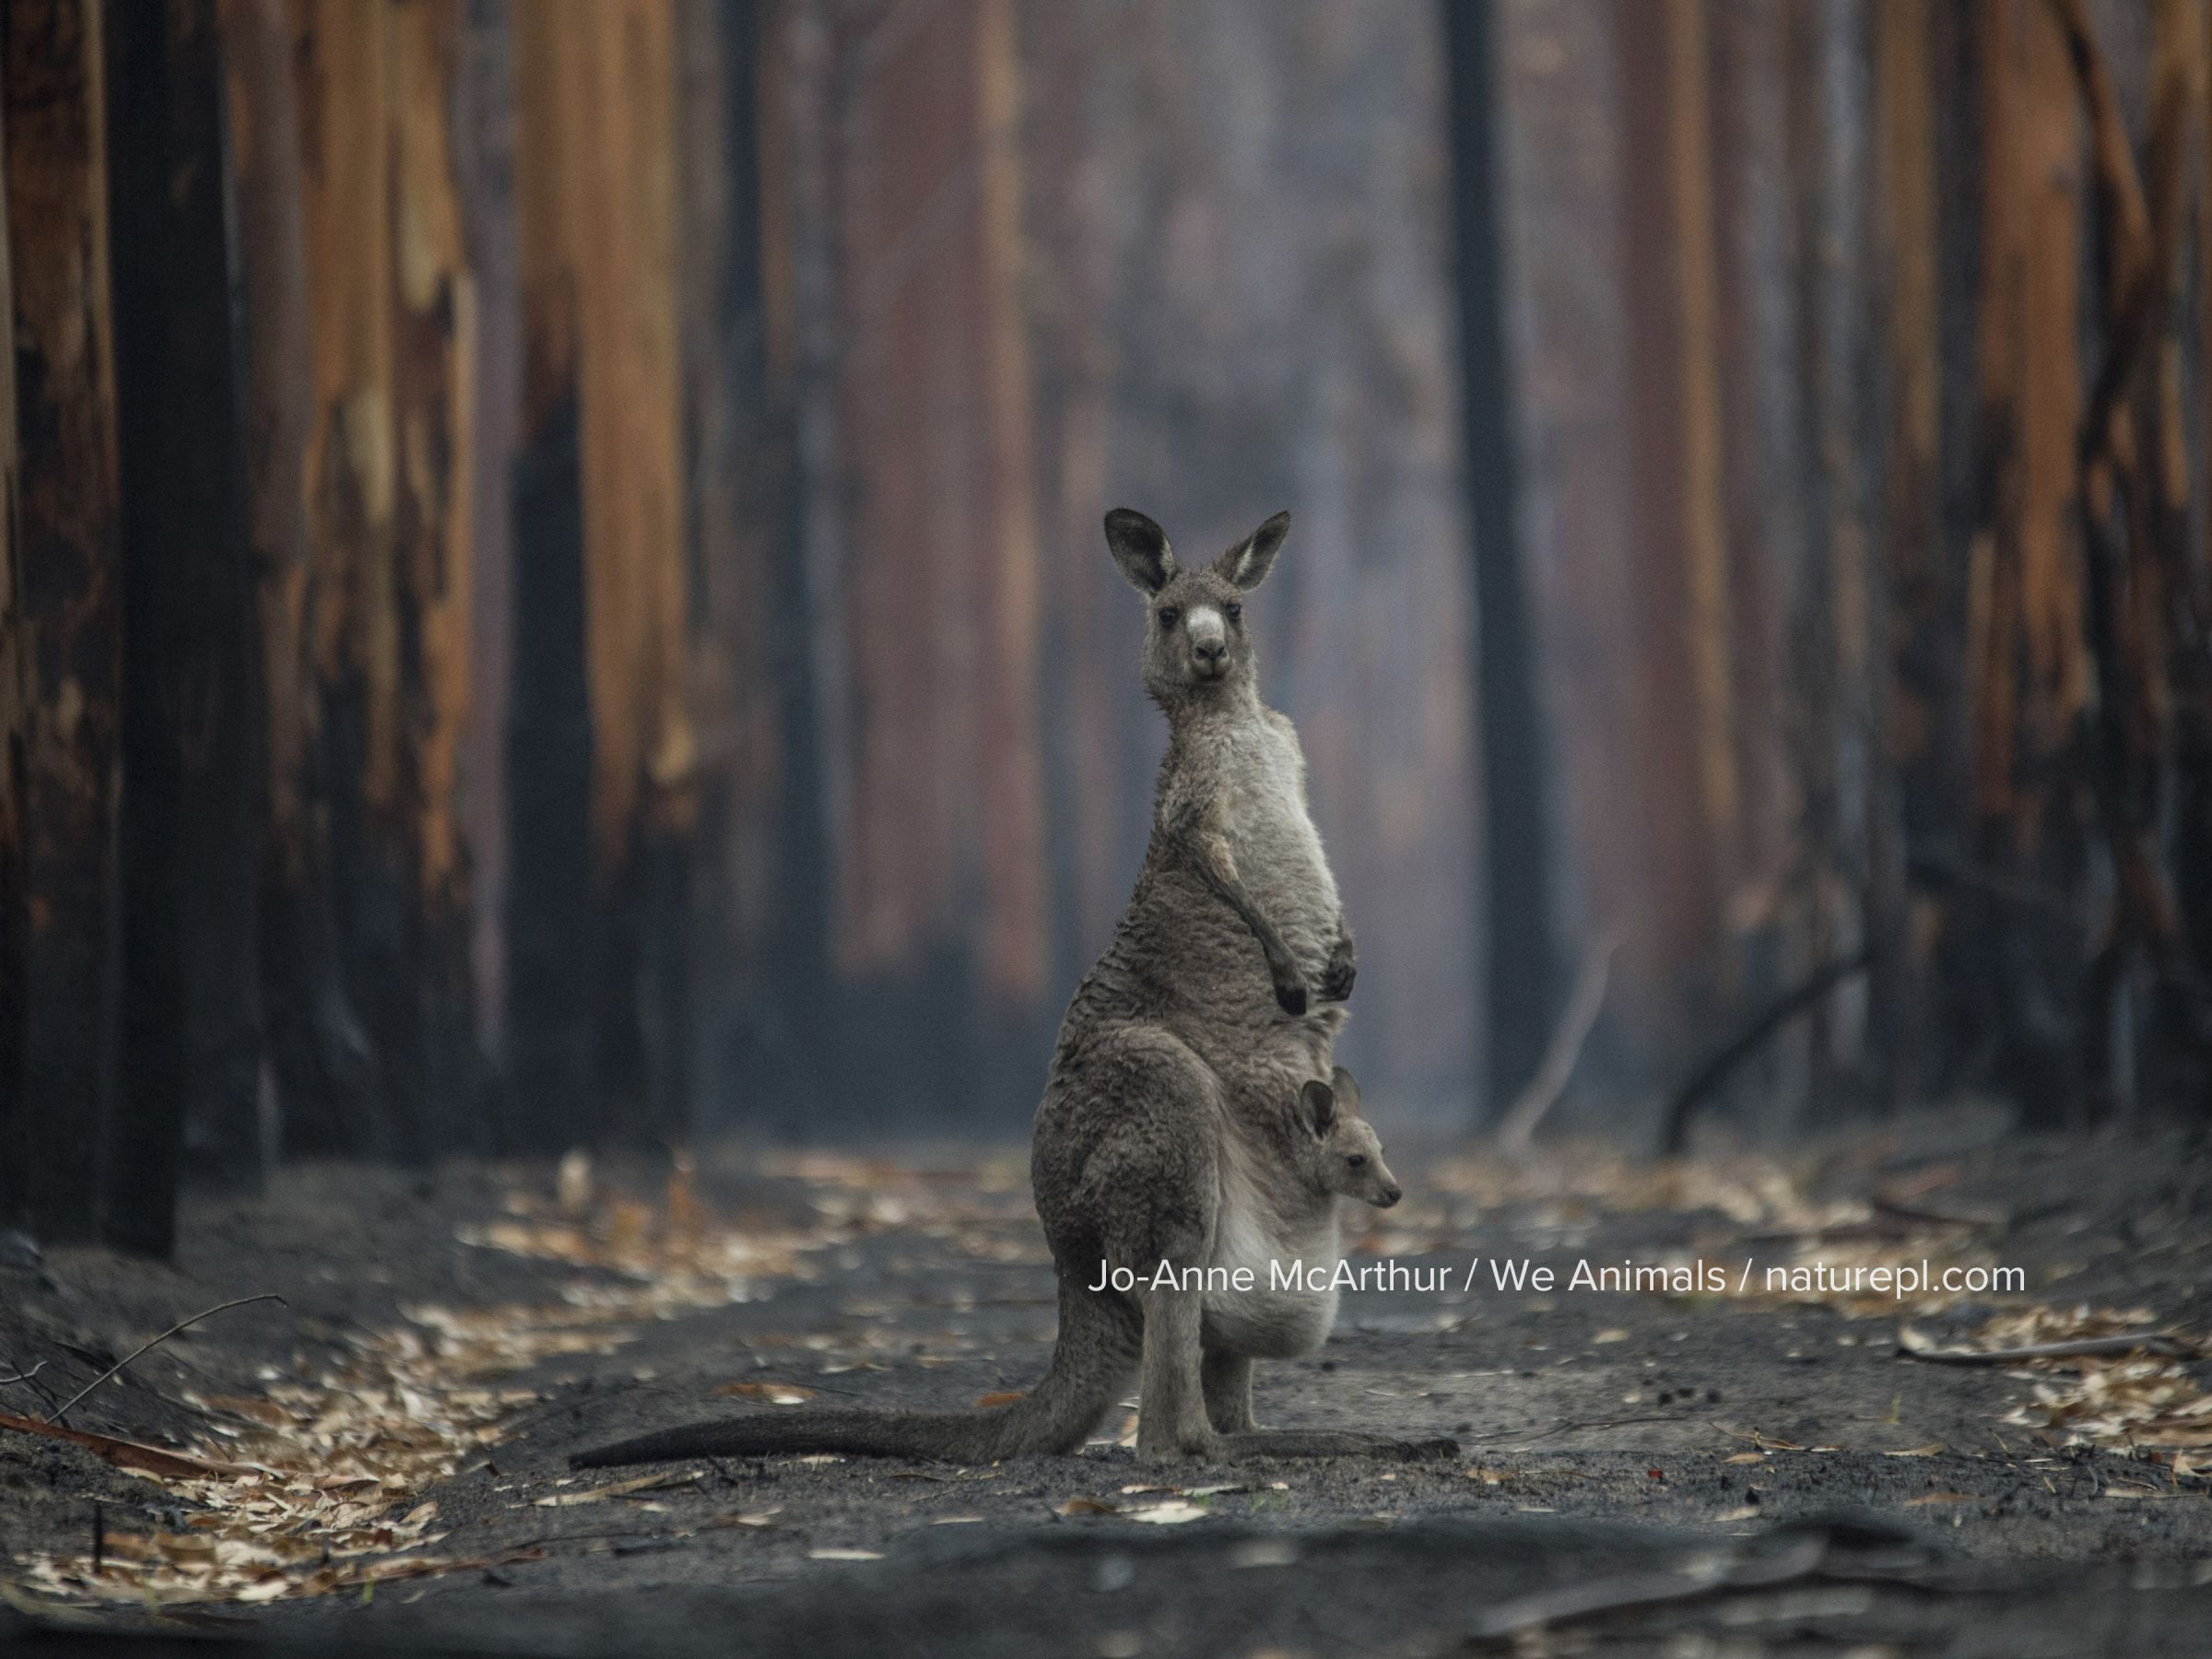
pixel 1279 1316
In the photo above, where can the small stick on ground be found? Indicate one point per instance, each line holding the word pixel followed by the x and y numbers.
pixel 61 1411
pixel 1911 1345
pixel 1674 1123
pixel 1519 1125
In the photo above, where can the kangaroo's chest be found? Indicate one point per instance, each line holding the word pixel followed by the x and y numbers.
pixel 1270 834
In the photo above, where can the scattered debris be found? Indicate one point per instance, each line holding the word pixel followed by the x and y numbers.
pixel 1914 1345
pixel 62 1411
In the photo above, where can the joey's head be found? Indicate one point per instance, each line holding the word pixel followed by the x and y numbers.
pixel 1341 1151
pixel 1196 647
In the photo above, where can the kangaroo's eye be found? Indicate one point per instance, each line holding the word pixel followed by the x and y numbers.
pixel 1167 615
pixel 1358 1161
pixel 1233 611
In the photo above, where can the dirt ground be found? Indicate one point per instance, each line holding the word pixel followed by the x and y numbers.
pixel 1707 1463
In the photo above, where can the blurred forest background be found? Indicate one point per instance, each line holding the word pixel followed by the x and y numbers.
pixel 553 590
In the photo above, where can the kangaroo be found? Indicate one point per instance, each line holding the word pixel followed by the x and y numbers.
pixel 1186 1122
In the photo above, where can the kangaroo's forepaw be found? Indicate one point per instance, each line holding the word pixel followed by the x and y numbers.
pixel 1292 998
pixel 1337 974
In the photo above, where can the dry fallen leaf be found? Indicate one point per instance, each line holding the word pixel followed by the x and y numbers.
pixel 775 1394
pixel 844 1555
pixel 1173 1512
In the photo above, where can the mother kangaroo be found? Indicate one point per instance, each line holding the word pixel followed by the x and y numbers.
pixel 1174 1143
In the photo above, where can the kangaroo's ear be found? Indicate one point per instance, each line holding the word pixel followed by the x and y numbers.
pixel 1248 562
pixel 1140 550
pixel 1347 1088
pixel 1320 1102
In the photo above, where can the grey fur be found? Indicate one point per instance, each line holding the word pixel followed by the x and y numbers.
pixel 1185 1117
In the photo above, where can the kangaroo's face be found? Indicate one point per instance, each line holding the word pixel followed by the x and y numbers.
pixel 1344 1156
pixel 1196 643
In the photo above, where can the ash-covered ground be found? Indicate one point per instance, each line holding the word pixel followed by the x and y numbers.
pixel 1709 1463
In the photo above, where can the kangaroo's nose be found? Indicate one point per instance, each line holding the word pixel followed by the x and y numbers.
pixel 1210 652
pixel 1391 1194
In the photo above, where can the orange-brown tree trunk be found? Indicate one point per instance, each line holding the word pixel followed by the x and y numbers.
pixel 607 763
pixel 321 1088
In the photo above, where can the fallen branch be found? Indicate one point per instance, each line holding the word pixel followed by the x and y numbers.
pixel 1710 1074
pixel 127 1454
pixel 1902 1211
pixel 63 1410
pixel 1772 1561
pixel 1913 1346
pixel 1549 1083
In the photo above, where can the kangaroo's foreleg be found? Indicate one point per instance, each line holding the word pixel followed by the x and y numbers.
pixel 1227 1379
pixel 1217 867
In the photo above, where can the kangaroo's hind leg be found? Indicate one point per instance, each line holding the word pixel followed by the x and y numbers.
pixel 1171 1420
pixel 1127 1173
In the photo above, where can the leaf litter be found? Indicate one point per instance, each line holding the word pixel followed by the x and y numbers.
pixel 315 1485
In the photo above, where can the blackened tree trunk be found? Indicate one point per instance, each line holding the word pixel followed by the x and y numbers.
pixel 602 1000
pixel 434 339
pixel 15 915
pixel 759 911
pixel 1516 879
pixel 316 1070
pixel 54 1113
pixel 191 1037
pixel 552 923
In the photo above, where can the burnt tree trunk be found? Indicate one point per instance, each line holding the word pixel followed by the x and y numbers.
pixel 604 753
pixel 316 1079
pixel 756 932
pixel 552 923
pixel 15 735
pixel 191 1034
pixel 434 377
pixel 1517 881
pixel 54 1113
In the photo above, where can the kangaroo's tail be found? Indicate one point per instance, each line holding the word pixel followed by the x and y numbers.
pixel 1091 1365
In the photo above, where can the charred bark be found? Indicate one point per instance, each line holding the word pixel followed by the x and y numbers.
pixel 189 1069
pixel 54 1113
pixel 1518 972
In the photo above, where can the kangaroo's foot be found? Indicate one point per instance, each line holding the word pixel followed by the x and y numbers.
pixel 1227 1379
pixel 1334 1443
pixel 1339 970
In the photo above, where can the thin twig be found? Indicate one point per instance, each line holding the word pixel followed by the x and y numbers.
pixel 63 1410
pixel 1674 1128
pixel 24 1376
pixel 1913 1346
pixel 1545 1088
